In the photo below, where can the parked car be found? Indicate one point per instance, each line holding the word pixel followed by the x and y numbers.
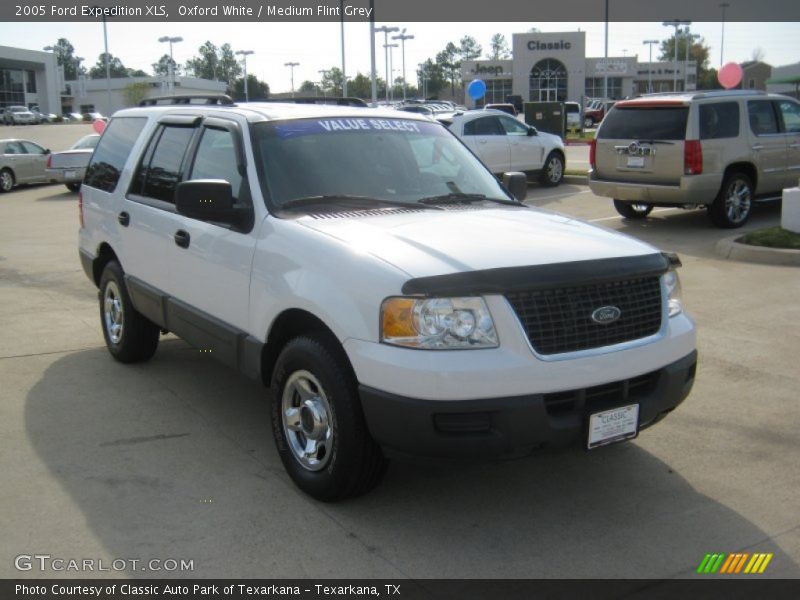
pixel 506 108
pixel 387 288
pixel 91 117
pixel 69 167
pixel 22 161
pixel 573 115
pixel 504 144
pixel 596 113
pixel 18 115
pixel 73 117
pixel 722 150
pixel 40 117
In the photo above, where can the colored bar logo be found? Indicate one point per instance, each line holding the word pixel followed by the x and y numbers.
pixel 735 563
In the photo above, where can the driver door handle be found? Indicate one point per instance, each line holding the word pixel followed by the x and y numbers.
pixel 182 238
pixel 124 218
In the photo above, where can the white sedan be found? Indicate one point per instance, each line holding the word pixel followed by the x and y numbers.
pixel 505 144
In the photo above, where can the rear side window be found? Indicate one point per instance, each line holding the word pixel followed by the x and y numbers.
pixel 719 120
pixel 661 123
pixel 112 151
pixel 791 116
pixel 763 120
pixel 484 126
pixel 160 171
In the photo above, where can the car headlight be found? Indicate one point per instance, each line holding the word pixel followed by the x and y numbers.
pixel 673 283
pixel 437 323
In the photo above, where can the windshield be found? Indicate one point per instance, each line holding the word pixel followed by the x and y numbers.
pixel 398 160
pixel 88 142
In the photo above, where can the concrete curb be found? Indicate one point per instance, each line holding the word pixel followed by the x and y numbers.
pixel 731 249
pixel 576 179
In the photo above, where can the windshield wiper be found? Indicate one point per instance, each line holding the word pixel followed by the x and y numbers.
pixel 345 199
pixel 462 198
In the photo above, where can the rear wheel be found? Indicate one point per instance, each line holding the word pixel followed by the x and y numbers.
pixel 318 424
pixel 6 180
pixel 588 122
pixel 73 187
pixel 734 203
pixel 633 210
pixel 130 337
pixel 553 171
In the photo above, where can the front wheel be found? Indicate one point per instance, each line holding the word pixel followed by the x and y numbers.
pixel 318 424
pixel 130 337
pixel 73 187
pixel 633 210
pixel 6 180
pixel 732 206
pixel 553 171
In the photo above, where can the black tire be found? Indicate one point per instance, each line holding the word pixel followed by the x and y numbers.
pixel 734 202
pixel 7 181
pixel 312 377
pixel 553 170
pixel 73 187
pixel 136 340
pixel 633 210
pixel 588 122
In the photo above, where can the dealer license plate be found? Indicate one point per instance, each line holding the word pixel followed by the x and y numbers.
pixel 636 161
pixel 70 174
pixel 615 425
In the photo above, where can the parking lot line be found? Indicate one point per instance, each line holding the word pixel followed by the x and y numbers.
pixel 657 210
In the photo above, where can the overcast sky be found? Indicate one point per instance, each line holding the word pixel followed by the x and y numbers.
pixel 317 45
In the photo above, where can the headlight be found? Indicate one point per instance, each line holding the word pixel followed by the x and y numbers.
pixel 673 283
pixel 437 323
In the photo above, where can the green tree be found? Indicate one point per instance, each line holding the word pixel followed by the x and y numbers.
pixel 698 51
pixel 469 48
pixel 137 73
pixel 434 78
pixel 332 81
pixel 309 88
pixel 162 66
pixel 498 47
pixel 256 89
pixel 230 69
pixel 116 68
pixel 206 64
pixel 133 93
pixel 360 86
pixel 65 56
pixel 450 63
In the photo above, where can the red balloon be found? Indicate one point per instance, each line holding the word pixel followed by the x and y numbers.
pixel 99 125
pixel 730 75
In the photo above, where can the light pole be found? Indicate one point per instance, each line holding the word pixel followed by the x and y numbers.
pixel 605 60
pixel 676 24
pixel 344 72
pixel 390 79
pixel 245 54
pixel 373 74
pixel 689 39
pixel 386 31
pixel 291 66
pixel 171 40
pixel 403 37
pixel 723 6
pixel 650 66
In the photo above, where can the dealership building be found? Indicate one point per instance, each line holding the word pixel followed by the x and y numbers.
pixel 550 67
pixel 29 78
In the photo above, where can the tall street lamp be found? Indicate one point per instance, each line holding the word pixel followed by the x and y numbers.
pixel 386 31
pixel 689 40
pixel 723 6
pixel 403 37
pixel 389 80
pixel 291 66
pixel 650 66
pixel 344 72
pixel 245 54
pixel 676 24
pixel 171 40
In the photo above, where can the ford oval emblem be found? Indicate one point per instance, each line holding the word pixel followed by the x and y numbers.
pixel 606 315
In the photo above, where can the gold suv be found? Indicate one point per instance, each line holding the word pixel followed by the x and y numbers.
pixel 720 150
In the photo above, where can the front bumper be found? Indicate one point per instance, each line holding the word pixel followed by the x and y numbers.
pixel 693 190
pixel 514 426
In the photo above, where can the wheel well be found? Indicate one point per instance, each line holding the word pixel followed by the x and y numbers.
pixel 742 167
pixel 10 170
pixel 104 255
pixel 291 324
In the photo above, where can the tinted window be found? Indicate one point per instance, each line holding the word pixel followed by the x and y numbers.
pixel 216 159
pixel 484 126
pixel 13 148
pixel 719 120
pixel 662 123
pixel 31 148
pixel 112 151
pixel 762 117
pixel 791 116
pixel 160 172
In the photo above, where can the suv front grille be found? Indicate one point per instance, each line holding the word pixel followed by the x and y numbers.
pixel 560 319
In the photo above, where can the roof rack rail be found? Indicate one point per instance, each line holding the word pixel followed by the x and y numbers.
pixel 219 99
pixel 336 100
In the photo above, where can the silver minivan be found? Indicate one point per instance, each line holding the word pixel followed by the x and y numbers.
pixel 721 150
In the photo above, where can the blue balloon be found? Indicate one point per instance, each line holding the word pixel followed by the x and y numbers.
pixel 476 89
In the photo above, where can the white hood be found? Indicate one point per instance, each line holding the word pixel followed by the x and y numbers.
pixel 434 242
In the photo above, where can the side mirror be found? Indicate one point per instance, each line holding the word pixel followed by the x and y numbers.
pixel 209 200
pixel 47 150
pixel 532 131
pixel 516 183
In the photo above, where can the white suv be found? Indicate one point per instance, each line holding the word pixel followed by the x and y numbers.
pixel 383 284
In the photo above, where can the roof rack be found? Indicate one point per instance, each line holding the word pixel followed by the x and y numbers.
pixel 336 100
pixel 219 99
